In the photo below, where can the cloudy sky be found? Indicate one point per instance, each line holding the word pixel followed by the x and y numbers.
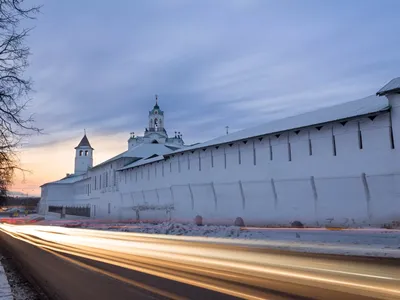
pixel 97 64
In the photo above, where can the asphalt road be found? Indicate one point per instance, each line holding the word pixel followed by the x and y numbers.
pixel 85 264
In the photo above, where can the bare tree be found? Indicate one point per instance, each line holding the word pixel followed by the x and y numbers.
pixel 14 87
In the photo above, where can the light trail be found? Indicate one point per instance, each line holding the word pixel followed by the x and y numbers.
pixel 216 264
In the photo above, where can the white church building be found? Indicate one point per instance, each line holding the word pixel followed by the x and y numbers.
pixel 338 165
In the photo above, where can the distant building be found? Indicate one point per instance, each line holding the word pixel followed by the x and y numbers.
pixel 338 165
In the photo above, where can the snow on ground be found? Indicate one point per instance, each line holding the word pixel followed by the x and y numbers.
pixel 5 289
pixel 365 242
pixel 13 285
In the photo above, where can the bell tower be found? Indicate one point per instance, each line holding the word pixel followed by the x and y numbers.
pixel 156 119
pixel 83 156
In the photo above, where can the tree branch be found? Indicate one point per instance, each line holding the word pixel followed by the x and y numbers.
pixel 14 87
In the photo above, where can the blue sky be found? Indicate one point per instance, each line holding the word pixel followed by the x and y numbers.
pixel 213 63
pixel 97 64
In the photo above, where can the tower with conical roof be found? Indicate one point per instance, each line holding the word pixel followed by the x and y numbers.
pixel 83 156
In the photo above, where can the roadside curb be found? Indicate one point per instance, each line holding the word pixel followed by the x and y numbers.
pixel 5 289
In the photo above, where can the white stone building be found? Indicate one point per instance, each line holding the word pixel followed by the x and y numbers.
pixel 336 165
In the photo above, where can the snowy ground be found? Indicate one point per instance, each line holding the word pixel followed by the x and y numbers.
pixel 5 289
pixel 366 242
pixel 13 286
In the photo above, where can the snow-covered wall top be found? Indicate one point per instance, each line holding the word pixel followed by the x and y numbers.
pixel 364 106
pixel 392 86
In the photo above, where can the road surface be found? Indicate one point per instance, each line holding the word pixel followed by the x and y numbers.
pixel 90 264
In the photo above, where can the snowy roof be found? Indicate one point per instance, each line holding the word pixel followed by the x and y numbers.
pixel 392 86
pixel 144 150
pixel 69 179
pixel 84 143
pixel 142 161
pixel 364 106
pixel 121 155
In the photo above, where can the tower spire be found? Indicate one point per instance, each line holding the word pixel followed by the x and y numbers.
pixel 84 131
pixel 156 105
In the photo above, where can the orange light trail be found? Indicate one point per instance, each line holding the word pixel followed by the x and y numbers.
pixel 216 264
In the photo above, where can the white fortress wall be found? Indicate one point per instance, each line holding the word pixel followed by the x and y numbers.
pixel 314 175
pixel 344 172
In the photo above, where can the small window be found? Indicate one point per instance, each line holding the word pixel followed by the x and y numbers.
pixel 80 153
pixel 86 153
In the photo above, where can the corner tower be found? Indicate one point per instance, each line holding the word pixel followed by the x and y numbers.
pixel 392 92
pixel 83 156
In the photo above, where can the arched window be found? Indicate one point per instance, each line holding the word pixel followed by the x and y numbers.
pixel 80 153
pixel 86 152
